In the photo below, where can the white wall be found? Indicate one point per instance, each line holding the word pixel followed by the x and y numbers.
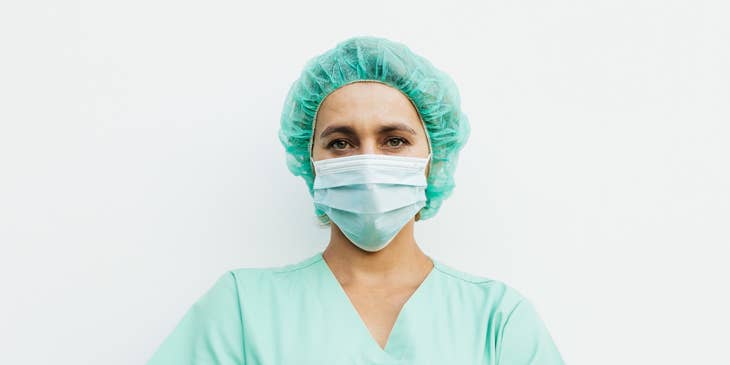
pixel 139 161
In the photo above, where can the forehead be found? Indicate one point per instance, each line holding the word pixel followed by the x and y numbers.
pixel 366 105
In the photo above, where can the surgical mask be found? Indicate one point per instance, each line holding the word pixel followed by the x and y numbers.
pixel 370 197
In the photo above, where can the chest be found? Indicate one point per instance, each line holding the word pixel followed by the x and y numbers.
pixel 317 321
pixel 378 309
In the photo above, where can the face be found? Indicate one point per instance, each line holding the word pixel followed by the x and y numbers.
pixel 368 118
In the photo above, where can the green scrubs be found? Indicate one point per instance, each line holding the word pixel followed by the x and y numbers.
pixel 300 314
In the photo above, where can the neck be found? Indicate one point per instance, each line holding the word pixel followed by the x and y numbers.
pixel 401 262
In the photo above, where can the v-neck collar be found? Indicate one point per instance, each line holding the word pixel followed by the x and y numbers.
pixel 389 352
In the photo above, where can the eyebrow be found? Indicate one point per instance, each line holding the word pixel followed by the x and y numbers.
pixel 344 129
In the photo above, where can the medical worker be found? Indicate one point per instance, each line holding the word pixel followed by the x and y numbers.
pixel 374 130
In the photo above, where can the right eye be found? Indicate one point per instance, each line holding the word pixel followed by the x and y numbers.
pixel 336 144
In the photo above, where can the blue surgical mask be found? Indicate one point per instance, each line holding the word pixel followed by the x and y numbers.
pixel 370 197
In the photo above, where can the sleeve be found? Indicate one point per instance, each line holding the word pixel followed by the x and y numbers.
pixel 210 333
pixel 525 339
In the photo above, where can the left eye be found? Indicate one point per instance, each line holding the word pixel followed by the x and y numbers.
pixel 396 140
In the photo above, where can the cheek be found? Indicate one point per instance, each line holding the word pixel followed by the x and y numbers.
pixel 317 151
pixel 320 153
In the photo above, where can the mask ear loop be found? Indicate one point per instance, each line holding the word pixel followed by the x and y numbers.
pixel 323 222
pixel 430 149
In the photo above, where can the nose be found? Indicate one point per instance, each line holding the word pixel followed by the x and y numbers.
pixel 368 146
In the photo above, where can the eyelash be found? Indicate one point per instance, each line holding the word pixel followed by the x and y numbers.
pixel 404 142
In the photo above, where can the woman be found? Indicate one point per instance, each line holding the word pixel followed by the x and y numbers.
pixel 374 130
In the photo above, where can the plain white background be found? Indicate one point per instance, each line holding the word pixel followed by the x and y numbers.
pixel 139 162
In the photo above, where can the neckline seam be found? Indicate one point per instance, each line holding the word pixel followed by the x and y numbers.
pixel 436 266
pixel 460 277
pixel 301 265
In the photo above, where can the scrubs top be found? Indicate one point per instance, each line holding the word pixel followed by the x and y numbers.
pixel 300 314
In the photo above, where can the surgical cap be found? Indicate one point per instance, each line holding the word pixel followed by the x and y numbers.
pixel 367 58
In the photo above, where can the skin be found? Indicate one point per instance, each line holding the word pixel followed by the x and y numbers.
pixel 377 283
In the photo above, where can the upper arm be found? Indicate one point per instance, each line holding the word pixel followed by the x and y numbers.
pixel 211 331
pixel 525 339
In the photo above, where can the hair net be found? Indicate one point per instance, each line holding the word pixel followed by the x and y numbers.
pixel 366 58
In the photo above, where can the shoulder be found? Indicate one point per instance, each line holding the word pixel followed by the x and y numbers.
pixel 266 275
pixel 515 332
pixel 277 269
pixel 487 291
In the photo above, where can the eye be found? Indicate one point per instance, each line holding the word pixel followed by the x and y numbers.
pixel 400 141
pixel 338 143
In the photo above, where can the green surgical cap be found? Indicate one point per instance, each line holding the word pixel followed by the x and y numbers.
pixel 368 58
